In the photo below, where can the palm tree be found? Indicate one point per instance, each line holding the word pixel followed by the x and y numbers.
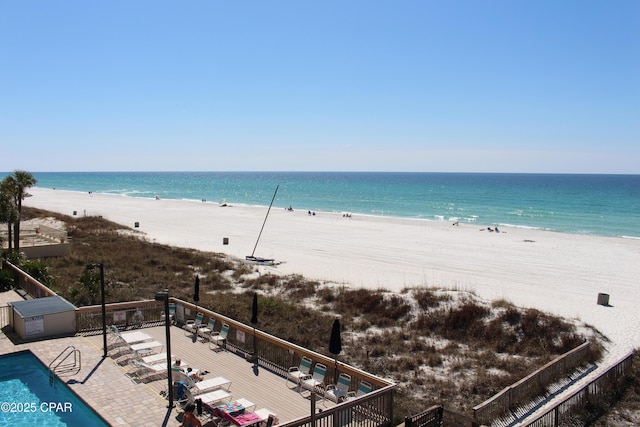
pixel 16 185
pixel 8 212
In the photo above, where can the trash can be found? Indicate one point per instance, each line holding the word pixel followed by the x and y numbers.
pixel 603 299
pixel 225 240
pixel 136 224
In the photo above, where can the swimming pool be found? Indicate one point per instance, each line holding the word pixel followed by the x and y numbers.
pixel 27 398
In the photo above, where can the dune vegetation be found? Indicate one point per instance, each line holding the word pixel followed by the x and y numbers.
pixel 441 345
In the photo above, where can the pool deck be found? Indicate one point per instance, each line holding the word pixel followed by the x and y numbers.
pixel 104 384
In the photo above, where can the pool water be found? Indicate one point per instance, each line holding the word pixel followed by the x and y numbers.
pixel 27 398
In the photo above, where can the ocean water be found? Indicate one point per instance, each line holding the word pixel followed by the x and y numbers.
pixel 607 205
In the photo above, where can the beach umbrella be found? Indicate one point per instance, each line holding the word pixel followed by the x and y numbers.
pixel 335 345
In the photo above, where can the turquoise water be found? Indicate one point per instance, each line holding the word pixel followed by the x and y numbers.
pixel 607 205
pixel 27 398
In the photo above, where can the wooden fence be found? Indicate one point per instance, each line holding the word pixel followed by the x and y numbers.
pixel 432 417
pixel 30 285
pixel 530 386
pixel 272 352
pixel 374 409
pixel 598 392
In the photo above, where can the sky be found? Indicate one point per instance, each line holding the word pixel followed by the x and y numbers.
pixel 425 85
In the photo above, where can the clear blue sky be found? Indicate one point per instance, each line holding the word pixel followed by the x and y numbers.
pixel 474 86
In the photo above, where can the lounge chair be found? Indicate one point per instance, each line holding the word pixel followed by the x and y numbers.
pixel 297 373
pixel 199 387
pixel 146 347
pixel 157 358
pixel 149 368
pixel 145 372
pixel 267 416
pixel 215 397
pixel 339 391
pixel 114 338
pixel 184 396
pixel 212 384
pixel 135 337
pixel 316 380
pixel 219 338
pixel 206 331
pixel 365 387
pixel 193 326
pixel 246 404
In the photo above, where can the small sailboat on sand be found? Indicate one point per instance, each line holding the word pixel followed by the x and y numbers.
pixel 259 260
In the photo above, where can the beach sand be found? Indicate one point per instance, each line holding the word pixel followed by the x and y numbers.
pixel 558 273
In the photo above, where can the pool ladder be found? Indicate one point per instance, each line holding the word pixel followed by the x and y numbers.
pixel 69 360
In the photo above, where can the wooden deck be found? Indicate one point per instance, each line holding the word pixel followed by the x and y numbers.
pixel 260 386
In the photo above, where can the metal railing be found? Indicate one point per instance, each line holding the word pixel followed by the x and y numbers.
pixel 122 315
pixel 61 363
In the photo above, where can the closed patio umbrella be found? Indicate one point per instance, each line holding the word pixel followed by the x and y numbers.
pixel 196 292
pixel 254 309
pixel 335 345
pixel 254 319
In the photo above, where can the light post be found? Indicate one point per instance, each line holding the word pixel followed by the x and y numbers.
pixel 164 296
pixel 104 309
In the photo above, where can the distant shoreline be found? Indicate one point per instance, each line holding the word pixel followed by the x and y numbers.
pixel 589 204
pixel 559 273
pixel 450 220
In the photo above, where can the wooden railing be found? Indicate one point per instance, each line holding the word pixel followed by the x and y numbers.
pixel 530 386
pixel 274 353
pixel 432 417
pixel 597 390
pixel 374 409
pixel 455 419
pixel 30 285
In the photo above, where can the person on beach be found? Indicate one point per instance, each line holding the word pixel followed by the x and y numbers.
pixel 189 419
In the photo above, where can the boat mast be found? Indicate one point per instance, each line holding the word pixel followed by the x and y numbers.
pixel 265 220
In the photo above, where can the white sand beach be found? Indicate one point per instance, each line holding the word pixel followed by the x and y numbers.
pixel 554 272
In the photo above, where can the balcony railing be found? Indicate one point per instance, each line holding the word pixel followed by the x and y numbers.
pixel 272 353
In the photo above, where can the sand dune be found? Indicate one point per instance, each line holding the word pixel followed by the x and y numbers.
pixel 554 272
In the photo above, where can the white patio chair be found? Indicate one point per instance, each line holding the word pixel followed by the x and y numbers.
pixel 315 382
pixel 297 373
pixel 338 392
pixel 219 338
pixel 206 331
pixel 193 326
